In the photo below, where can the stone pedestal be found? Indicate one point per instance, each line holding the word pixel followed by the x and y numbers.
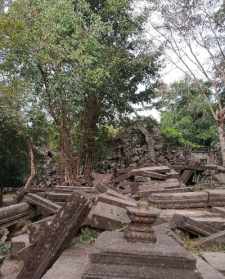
pixel 140 252
pixel 116 258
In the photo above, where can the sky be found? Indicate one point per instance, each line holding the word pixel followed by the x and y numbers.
pixel 171 70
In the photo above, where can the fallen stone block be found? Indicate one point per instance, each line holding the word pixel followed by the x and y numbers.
pixel 207 271
pixel 58 197
pixel 216 197
pixel 168 214
pixel 52 240
pixel 107 217
pixel 120 202
pixel 127 187
pixel 18 243
pixel 179 200
pixel 145 193
pixel 220 178
pixel 146 173
pixel 170 183
pixel 116 194
pixel 219 210
pixel 156 172
pixel 216 260
pixel 70 189
pixel 173 174
pixel 186 175
pixel 216 239
pixel 14 214
pixel 46 206
pixel 34 228
pixel 198 226
pixel 189 196
pixel 159 169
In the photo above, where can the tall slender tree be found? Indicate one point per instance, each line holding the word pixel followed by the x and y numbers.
pixel 192 32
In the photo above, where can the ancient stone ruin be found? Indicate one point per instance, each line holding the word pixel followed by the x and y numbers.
pixel 140 252
pixel 148 213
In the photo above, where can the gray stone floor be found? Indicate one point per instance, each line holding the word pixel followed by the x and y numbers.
pixel 207 271
pixel 70 265
pixel 216 260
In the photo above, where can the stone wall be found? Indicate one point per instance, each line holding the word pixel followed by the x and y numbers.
pixel 138 145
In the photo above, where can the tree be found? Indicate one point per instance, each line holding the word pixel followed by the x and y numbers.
pixel 192 32
pixel 186 119
pixel 125 60
pixel 83 63
pixel 51 60
pixel 13 149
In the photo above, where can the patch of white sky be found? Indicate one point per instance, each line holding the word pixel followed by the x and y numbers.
pixel 172 68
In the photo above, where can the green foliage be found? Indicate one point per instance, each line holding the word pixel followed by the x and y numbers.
pixel 186 118
pixel 4 248
pixel 55 54
pixel 88 235
pixel 79 48
pixel 13 145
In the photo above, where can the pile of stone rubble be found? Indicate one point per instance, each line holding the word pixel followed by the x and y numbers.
pixel 50 218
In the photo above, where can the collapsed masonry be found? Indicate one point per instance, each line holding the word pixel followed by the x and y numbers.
pixel 54 214
pixel 143 142
pixel 50 216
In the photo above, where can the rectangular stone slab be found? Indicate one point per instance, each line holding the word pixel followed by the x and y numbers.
pixel 159 169
pixel 177 205
pixel 216 260
pixel 71 189
pixel 45 205
pixel 143 193
pixel 58 197
pixel 212 240
pixel 189 196
pixel 217 222
pixel 207 271
pixel 216 203
pixel 145 173
pixel 107 217
pixel 52 239
pixel 179 200
pixel 219 210
pixel 100 271
pixel 116 201
pixel 197 226
pixel 186 175
pixel 216 198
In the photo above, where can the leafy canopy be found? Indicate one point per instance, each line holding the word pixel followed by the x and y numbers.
pixel 186 117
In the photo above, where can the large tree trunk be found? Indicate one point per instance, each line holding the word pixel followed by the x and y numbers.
pixel 222 141
pixel 32 167
pixel 220 118
pixel 88 125
pixel 33 172
pixel 68 160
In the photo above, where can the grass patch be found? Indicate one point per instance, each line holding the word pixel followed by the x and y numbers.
pixel 87 235
pixel 4 248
